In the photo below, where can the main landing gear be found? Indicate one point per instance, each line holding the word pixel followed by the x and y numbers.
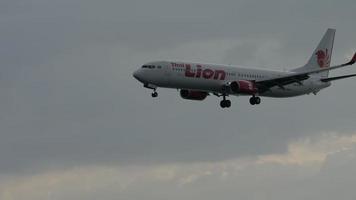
pixel 255 100
pixel 225 103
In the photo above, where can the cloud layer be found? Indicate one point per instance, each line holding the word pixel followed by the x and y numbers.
pixel 310 169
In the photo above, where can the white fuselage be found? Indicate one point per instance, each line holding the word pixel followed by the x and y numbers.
pixel 212 78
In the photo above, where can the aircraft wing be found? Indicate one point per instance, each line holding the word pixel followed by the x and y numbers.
pixel 337 78
pixel 265 85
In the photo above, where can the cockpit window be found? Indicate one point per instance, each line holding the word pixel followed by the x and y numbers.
pixel 148 66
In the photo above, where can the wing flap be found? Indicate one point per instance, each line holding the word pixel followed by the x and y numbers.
pixel 280 82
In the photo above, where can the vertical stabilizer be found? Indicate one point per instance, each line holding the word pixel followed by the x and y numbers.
pixel 321 56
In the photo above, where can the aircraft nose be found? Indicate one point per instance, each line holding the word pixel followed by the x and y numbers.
pixel 137 75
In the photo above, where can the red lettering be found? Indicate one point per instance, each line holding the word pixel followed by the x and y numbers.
pixel 188 72
pixel 177 65
pixel 205 73
pixel 208 73
pixel 198 75
pixel 219 74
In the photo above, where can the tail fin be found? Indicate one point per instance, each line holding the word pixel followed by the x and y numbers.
pixel 321 56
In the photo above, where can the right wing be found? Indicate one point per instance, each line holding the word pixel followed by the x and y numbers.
pixel 337 78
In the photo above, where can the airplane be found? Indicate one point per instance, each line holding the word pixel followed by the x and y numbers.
pixel 196 81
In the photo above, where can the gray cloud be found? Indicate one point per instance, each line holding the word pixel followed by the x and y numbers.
pixel 310 169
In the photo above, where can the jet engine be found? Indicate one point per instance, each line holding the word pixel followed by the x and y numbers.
pixel 193 95
pixel 244 87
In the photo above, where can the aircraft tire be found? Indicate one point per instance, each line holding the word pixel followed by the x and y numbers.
pixel 154 94
pixel 257 100
pixel 252 101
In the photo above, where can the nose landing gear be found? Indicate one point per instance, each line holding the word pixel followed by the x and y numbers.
pixel 154 94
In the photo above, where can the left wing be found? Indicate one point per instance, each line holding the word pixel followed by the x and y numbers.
pixel 297 77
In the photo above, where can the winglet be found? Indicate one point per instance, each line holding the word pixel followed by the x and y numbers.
pixel 353 60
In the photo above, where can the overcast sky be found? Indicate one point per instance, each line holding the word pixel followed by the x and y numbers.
pixel 75 124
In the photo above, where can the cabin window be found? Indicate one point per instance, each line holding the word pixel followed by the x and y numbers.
pixel 148 66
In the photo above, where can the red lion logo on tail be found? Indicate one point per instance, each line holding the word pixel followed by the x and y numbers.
pixel 323 58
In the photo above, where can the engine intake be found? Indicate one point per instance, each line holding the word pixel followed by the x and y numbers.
pixel 193 95
pixel 243 87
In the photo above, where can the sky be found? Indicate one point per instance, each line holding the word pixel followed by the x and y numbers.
pixel 75 124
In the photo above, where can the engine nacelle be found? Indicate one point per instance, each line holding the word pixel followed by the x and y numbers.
pixel 243 87
pixel 193 95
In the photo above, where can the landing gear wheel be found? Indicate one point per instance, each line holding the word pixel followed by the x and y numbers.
pixel 154 94
pixel 228 103
pixel 222 104
pixel 225 103
pixel 255 100
pixel 252 101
